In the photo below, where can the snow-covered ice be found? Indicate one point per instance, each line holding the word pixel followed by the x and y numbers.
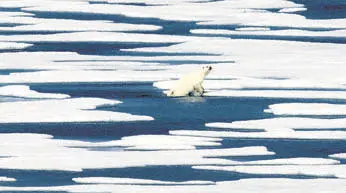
pixel 39 24
pixel 156 142
pixel 7 179
pixel 280 133
pixel 25 92
pixel 270 185
pixel 63 110
pixel 13 45
pixel 103 180
pixel 307 109
pixel 41 152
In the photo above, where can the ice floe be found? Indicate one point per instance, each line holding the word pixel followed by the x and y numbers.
pixel 292 10
pixel 12 15
pixel 41 152
pixel 95 36
pixel 164 12
pixel 254 60
pixel 272 124
pixel 295 94
pixel 307 109
pixel 242 12
pixel 151 2
pixel 284 127
pixel 83 76
pixel 338 171
pixel 279 133
pixel 255 18
pixel 291 32
pixel 64 110
pixel 130 181
pixel 13 46
pixel 338 156
pixel 7 179
pixel 39 24
pixel 267 86
pixel 275 59
pixel 247 29
pixel 294 161
pixel 155 142
pixel 25 92
pixel 271 185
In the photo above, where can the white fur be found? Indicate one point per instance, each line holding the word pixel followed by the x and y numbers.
pixel 190 84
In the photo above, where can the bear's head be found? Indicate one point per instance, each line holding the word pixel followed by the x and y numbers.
pixel 206 70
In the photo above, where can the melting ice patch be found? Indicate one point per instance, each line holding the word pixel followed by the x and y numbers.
pixel 41 152
pixel 270 185
pixel 186 9
pixel 299 64
pixel 151 2
pixel 7 179
pixel 291 32
pixel 82 76
pixel 25 92
pixel 95 37
pixel 292 10
pixel 289 123
pixel 278 134
pixel 129 181
pixel 247 29
pixel 285 127
pixel 65 110
pixel 307 109
pixel 280 94
pixel 281 19
pixel 338 171
pixel 338 156
pixel 13 46
pixel 40 24
pixel 294 161
pixel 156 142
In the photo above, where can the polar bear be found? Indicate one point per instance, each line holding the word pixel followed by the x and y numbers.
pixel 190 84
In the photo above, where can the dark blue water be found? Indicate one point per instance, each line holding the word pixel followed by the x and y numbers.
pixel 188 114
pixel 165 173
pixel 92 48
pixel 323 9
pixel 9 24
pixel 168 26
pixel 143 99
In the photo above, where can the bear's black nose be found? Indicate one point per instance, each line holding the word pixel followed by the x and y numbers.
pixel 210 68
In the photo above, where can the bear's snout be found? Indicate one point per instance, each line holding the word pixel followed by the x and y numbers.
pixel 210 68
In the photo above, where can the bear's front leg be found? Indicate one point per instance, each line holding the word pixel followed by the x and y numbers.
pixel 198 90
